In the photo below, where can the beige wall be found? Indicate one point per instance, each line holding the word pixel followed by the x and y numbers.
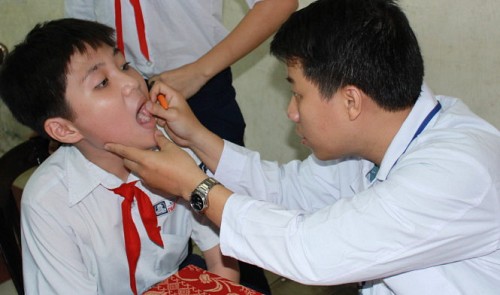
pixel 460 42
pixel 17 17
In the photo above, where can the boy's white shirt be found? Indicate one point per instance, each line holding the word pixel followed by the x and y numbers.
pixel 72 235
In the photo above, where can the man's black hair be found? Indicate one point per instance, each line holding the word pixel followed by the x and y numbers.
pixel 365 43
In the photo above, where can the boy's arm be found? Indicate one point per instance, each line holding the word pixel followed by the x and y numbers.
pixel 52 263
pixel 221 265
pixel 256 26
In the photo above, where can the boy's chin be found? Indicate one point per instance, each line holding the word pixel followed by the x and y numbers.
pixel 144 142
pixel 148 145
pixel 142 146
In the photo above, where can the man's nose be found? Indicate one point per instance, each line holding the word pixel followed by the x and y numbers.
pixel 291 111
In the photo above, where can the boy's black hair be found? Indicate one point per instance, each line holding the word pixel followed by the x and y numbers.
pixel 365 43
pixel 33 77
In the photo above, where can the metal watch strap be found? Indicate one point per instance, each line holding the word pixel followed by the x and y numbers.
pixel 200 194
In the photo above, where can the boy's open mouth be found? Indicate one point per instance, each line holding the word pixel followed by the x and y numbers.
pixel 143 116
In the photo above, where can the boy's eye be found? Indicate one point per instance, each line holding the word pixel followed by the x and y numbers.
pixel 296 95
pixel 125 66
pixel 103 83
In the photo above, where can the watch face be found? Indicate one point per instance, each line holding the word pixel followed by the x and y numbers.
pixel 197 202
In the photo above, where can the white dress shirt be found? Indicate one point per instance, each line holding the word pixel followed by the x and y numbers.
pixel 428 224
pixel 177 31
pixel 72 231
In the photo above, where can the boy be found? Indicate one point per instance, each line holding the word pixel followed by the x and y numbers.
pixel 407 197
pixel 67 81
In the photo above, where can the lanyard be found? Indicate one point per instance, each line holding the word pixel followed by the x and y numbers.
pixel 372 174
pixel 424 123
pixel 421 128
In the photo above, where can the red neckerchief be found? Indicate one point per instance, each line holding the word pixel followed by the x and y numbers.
pixel 139 22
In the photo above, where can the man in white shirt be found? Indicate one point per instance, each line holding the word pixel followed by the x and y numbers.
pixel 402 192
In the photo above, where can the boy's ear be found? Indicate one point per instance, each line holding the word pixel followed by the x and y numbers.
pixel 353 100
pixel 62 130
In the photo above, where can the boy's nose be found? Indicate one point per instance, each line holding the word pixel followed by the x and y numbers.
pixel 129 84
pixel 291 111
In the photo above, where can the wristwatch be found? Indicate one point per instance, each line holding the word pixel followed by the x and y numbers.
pixel 199 197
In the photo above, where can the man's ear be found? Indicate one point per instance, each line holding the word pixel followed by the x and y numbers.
pixel 62 130
pixel 353 101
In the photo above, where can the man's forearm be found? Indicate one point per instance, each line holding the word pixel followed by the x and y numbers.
pixel 217 198
pixel 208 147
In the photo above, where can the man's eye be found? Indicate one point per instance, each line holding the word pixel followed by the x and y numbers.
pixel 103 84
pixel 125 66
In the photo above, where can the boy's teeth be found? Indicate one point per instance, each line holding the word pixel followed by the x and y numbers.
pixel 143 118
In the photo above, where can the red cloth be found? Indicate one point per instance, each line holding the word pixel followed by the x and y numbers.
pixel 132 241
pixel 192 280
pixel 139 23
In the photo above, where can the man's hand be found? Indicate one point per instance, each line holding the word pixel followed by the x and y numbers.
pixel 178 120
pixel 183 127
pixel 170 170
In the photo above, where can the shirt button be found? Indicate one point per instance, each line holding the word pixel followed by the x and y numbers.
pixel 149 63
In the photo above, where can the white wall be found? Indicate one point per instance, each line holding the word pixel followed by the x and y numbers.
pixel 460 42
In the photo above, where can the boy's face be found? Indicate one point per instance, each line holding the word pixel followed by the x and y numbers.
pixel 107 97
pixel 320 122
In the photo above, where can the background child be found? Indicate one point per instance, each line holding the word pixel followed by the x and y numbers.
pixel 67 81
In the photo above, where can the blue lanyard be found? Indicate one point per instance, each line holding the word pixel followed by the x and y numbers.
pixel 421 128
pixel 433 112
pixel 426 121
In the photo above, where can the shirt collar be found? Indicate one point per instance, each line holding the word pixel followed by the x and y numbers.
pixel 84 176
pixel 424 105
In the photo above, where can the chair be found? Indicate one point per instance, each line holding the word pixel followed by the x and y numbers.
pixel 13 163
